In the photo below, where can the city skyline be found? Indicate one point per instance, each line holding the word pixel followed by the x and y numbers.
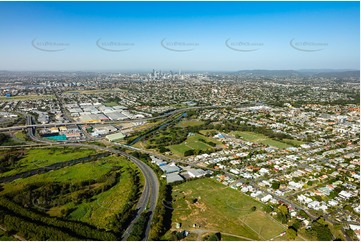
pixel 192 36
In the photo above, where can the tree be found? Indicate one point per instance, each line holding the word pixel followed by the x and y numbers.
pixel 297 224
pixel 291 233
pixel 189 152
pixel 283 209
pixel 254 208
pixel 303 214
pixel 163 149
pixel 268 208
pixel 283 214
pixel 276 185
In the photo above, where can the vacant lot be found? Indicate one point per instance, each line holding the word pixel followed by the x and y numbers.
pixel 21 135
pixel 37 158
pixel 71 174
pixel 293 142
pixel 100 209
pixel 215 207
pixel 193 142
pixel 260 138
pixel 192 122
pixel 111 104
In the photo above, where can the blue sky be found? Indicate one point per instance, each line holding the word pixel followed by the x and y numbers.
pixel 207 36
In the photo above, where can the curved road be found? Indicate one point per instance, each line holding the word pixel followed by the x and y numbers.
pixel 148 199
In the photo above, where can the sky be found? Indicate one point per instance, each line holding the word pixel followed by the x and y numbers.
pixel 193 36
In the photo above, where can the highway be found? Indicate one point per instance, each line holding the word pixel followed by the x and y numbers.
pixel 149 197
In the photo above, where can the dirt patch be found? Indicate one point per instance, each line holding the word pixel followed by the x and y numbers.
pixel 201 206
pixel 187 193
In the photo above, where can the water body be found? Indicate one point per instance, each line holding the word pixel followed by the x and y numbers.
pixel 57 137
pixel 156 129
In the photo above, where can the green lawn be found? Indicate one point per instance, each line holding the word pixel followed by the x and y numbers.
pixel 108 203
pixel 37 158
pixel 260 138
pixel 20 135
pixel 208 132
pixel 193 142
pixel 71 174
pixel 192 122
pixel 220 208
pixel 229 238
pixel 111 104
pixel 294 142
pixel 99 210
pixel 30 97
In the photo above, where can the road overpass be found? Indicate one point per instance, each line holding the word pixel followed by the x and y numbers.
pixel 21 127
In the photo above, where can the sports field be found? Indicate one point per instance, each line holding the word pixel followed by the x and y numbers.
pixel 260 138
pixel 215 207
pixel 192 122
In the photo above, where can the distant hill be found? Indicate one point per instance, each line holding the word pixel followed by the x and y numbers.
pixel 270 73
pixel 330 73
pixel 343 74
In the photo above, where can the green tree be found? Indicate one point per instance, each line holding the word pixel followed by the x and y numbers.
pixel 189 152
pixel 276 185
pixel 291 233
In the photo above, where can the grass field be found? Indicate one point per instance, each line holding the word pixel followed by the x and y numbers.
pixel 100 209
pixel 145 126
pixel 30 97
pixel 208 132
pixel 95 91
pixel 294 142
pixel 260 138
pixel 193 122
pixel 220 208
pixel 111 104
pixel 71 174
pixel 107 203
pixel 37 158
pixel 193 142
pixel 229 238
pixel 20 135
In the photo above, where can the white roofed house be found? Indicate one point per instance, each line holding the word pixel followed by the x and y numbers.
pixel 195 173
pixel 263 171
pixel 295 185
pixel 314 205
pixel 266 198
pixel 345 195
pixel 234 171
